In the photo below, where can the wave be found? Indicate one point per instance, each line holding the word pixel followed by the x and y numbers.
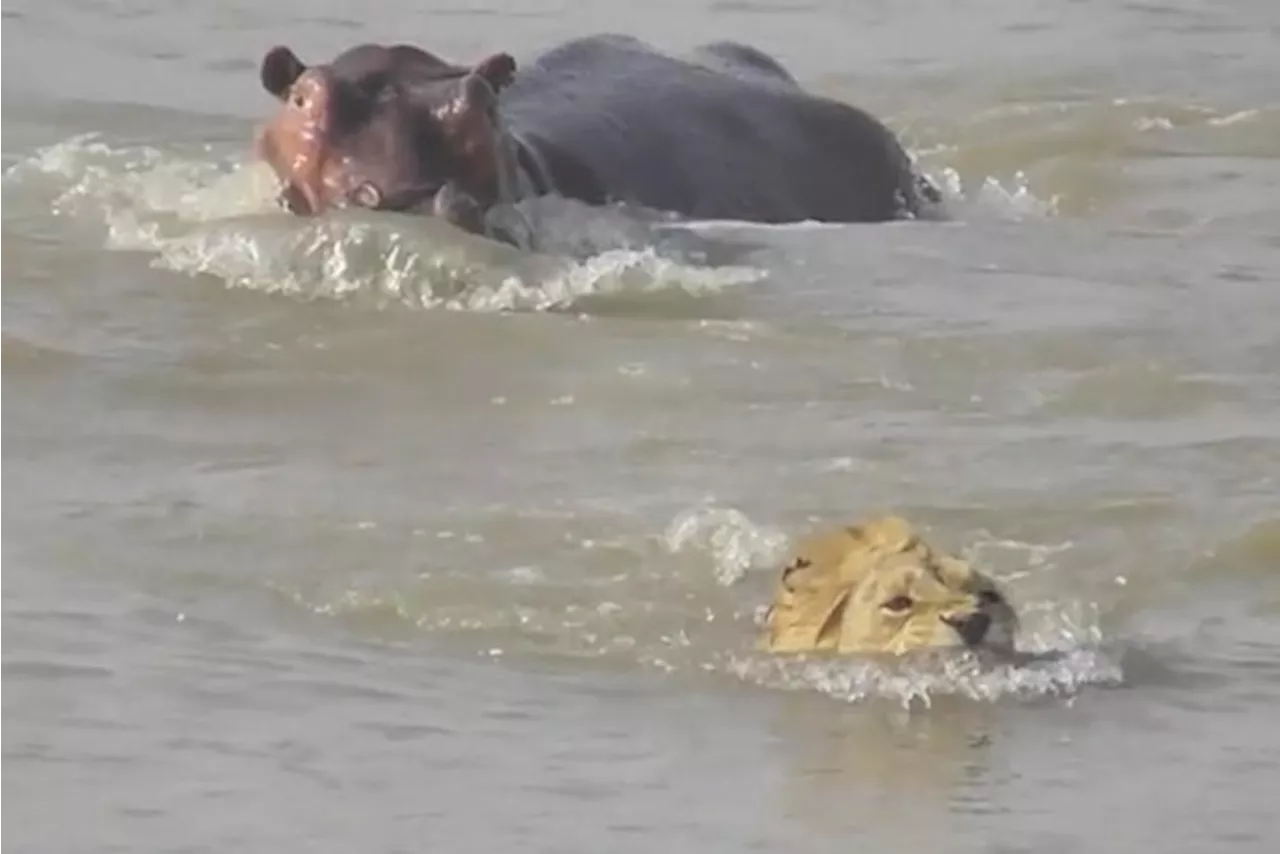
pixel 199 215
pixel 1035 154
pixel 688 600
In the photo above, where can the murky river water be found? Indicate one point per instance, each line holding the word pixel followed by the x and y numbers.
pixel 352 534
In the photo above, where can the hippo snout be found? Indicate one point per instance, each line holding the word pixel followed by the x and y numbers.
pixel 295 143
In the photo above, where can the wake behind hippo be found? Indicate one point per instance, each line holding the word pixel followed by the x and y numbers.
pixel 725 133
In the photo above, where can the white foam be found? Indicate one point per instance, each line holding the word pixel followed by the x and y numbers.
pixel 735 543
pixel 201 216
pixel 1235 118
pixel 916 683
pixel 1014 201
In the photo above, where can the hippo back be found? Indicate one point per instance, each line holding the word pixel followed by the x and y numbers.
pixel 724 134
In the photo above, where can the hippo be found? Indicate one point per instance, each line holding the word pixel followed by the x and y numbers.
pixel 722 133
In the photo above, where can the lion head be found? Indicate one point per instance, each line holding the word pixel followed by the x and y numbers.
pixel 879 588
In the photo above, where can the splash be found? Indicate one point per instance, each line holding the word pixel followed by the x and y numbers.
pixel 918 683
pixel 1011 200
pixel 1061 647
pixel 736 545
pixel 198 215
pixel 990 200
pixel 1061 651
pixel 684 616
pixel 134 192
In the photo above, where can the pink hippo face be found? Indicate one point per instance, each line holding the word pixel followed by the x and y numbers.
pixel 387 128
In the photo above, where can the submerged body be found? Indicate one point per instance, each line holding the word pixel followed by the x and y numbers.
pixel 725 133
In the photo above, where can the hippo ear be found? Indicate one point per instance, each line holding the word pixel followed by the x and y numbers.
pixel 280 68
pixel 480 86
pixel 497 70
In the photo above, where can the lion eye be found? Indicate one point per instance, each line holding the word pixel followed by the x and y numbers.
pixel 898 603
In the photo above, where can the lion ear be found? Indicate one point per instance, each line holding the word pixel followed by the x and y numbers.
pixel 832 625
pixel 806 620
pixel 810 598
pixel 890 533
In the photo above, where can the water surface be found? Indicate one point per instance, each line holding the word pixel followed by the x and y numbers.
pixel 355 534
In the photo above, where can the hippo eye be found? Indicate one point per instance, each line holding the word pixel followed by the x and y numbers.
pixel 898 603
pixel 990 597
pixel 297 100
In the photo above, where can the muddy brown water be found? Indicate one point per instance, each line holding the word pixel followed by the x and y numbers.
pixel 355 535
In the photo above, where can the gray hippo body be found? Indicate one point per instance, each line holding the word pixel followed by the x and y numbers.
pixel 723 133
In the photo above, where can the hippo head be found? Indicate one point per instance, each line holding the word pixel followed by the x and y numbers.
pixel 386 128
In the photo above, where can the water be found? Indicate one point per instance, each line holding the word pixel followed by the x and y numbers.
pixel 355 534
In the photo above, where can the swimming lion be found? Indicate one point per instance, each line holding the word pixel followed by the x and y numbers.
pixel 879 588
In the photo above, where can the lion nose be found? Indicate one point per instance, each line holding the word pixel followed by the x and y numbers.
pixel 971 627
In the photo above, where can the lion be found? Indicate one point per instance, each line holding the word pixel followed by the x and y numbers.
pixel 879 588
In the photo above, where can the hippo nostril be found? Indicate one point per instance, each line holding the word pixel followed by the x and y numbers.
pixel 972 627
pixel 367 196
